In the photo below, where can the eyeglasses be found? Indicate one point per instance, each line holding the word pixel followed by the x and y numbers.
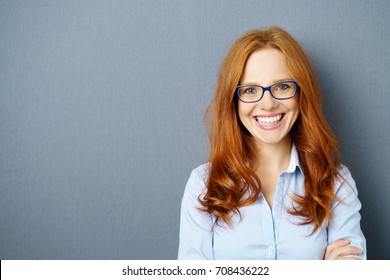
pixel 280 91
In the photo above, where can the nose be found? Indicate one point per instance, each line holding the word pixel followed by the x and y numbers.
pixel 268 103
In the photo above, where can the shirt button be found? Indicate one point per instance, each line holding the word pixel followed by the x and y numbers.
pixel 269 250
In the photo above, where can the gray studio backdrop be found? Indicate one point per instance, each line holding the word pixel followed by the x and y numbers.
pixel 102 104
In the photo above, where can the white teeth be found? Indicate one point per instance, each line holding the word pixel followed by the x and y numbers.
pixel 269 120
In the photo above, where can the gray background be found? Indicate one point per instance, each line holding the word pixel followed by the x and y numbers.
pixel 102 104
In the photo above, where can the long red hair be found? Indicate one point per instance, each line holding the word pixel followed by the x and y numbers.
pixel 232 181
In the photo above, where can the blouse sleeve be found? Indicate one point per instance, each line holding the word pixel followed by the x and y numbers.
pixel 196 227
pixel 345 219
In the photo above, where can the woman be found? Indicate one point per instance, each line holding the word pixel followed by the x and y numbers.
pixel 275 187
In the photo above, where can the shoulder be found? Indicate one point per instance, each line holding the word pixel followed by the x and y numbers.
pixel 201 172
pixel 196 184
pixel 344 176
pixel 345 186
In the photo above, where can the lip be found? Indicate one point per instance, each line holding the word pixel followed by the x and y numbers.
pixel 272 126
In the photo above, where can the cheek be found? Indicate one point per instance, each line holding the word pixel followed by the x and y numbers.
pixel 244 112
pixel 239 111
pixel 244 109
pixel 293 107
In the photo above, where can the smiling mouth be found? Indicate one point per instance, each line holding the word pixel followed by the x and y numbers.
pixel 267 121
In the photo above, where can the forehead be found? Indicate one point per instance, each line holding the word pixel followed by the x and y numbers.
pixel 265 67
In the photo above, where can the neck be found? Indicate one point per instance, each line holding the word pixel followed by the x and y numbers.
pixel 274 158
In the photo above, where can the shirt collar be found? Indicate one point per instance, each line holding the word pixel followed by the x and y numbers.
pixel 294 161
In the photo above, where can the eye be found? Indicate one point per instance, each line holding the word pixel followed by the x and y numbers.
pixel 248 90
pixel 283 87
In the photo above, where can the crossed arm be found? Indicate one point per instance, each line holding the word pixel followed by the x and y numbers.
pixel 341 250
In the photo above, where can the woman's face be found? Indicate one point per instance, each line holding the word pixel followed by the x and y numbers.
pixel 268 120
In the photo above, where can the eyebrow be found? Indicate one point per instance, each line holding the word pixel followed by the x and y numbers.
pixel 273 82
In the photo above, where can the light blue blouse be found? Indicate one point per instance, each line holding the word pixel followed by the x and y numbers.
pixel 264 233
